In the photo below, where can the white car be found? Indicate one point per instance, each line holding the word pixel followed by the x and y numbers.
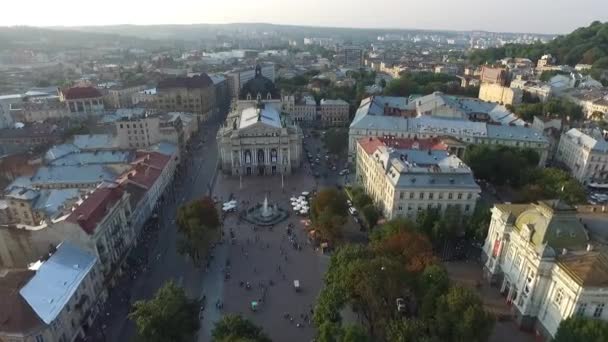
pixel 400 304
pixel 350 204
pixel 352 211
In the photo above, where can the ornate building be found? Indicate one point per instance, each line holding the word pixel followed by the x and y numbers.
pixel 259 141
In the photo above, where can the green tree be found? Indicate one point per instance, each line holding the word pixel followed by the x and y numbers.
pixel 198 222
pixel 328 213
pixel 460 317
pixel 169 316
pixel 575 329
pixel 235 328
pixel 336 140
pixel 370 215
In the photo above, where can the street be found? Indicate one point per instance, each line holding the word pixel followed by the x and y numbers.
pixel 163 261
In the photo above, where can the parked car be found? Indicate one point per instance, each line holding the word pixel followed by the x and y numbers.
pixel 400 305
pixel 352 211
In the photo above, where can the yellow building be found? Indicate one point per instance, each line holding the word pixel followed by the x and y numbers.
pixel 499 94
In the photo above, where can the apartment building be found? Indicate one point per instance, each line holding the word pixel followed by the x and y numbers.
pixel 334 112
pixel 443 120
pixel 122 97
pixel 585 153
pixel 406 176
pixel 82 100
pixel 102 224
pixel 492 75
pixel 542 260
pixel 500 94
pixel 57 301
pixel 537 89
pixel 194 94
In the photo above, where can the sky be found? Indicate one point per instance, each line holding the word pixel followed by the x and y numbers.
pixel 538 16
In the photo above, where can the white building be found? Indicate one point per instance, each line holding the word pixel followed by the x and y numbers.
pixel 380 116
pixel 57 301
pixel 406 176
pixel 585 154
pixel 541 258
pixel 538 89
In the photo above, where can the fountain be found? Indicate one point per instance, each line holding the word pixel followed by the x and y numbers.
pixel 264 214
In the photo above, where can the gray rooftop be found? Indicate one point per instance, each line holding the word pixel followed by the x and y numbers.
pixel 73 174
pixel 94 141
pixel 94 157
pixel 56 281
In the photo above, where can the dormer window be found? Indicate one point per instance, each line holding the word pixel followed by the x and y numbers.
pixel 249 97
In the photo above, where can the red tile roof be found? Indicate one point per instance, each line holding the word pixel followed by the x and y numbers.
pixel 154 159
pixel 144 175
pixel 81 93
pixel 93 209
pixel 372 143
pixel 17 315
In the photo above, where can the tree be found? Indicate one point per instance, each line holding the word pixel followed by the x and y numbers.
pixel 336 140
pixel 578 328
pixel 501 164
pixel 198 221
pixel 169 316
pixel 235 328
pixel 551 183
pixel 370 215
pixel 597 116
pixel 460 317
pixel 476 228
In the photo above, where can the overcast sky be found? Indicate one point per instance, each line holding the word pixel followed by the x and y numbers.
pixel 542 16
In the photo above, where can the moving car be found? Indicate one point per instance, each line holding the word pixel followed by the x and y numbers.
pixel 352 210
pixel 296 285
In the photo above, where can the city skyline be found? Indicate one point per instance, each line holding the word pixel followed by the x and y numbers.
pixel 542 16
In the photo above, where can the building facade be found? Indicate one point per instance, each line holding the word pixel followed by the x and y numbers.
pixel 406 176
pixel 334 112
pixel 585 154
pixel 541 259
pixel 56 302
pixel 122 97
pixel 194 94
pixel 259 141
pixel 82 100
pixel 500 94
pixel 372 119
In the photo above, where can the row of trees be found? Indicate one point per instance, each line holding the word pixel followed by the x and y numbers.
pixel 171 316
pixel 365 205
pixel 555 107
pixel 398 263
pixel 328 212
pixel 436 310
pixel 426 83
pixel 503 165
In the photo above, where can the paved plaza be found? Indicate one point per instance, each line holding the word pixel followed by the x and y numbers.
pixel 261 257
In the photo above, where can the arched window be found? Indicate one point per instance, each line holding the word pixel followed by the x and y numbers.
pixel 247 157
pixel 260 156
pixel 273 155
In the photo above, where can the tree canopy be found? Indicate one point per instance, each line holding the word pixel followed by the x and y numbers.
pixel 555 107
pixel 399 263
pixel 198 222
pixel 578 328
pixel 588 45
pixel 426 83
pixel 336 140
pixel 169 316
pixel 235 328
pixel 328 213
pixel 501 164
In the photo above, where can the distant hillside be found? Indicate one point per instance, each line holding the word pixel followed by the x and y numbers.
pixel 587 45
pixel 43 38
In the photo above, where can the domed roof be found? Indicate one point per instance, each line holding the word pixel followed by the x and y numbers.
pixel 259 85
pixel 554 226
